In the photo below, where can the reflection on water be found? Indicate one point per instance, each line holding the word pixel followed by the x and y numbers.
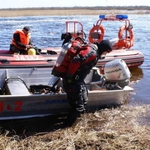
pixel 137 74
pixel 141 92
pixel 141 87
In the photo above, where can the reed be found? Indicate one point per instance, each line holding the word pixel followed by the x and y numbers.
pixel 112 129
pixel 65 12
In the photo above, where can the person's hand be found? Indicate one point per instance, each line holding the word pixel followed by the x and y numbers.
pixel 29 46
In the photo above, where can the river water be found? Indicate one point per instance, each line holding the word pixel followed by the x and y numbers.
pixel 46 32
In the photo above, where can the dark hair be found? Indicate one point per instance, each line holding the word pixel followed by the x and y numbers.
pixel 104 46
pixel 26 29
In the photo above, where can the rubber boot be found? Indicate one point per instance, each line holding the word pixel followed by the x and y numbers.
pixel 71 117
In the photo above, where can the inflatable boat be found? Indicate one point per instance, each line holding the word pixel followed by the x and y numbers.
pixel 122 43
pixel 133 58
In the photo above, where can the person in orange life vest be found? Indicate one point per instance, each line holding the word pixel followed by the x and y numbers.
pixel 21 41
pixel 85 59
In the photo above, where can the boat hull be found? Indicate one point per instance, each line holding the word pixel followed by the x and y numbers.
pixel 28 106
pixel 133 58
pixel 20 102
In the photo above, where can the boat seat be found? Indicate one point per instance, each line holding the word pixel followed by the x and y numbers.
pixel 16 86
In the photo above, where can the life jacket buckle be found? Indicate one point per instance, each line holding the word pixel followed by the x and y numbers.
pixel 76 77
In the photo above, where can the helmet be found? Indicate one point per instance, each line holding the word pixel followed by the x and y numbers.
pixel 31 51
pixel 104 45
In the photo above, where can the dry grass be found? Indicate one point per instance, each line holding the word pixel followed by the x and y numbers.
pixel 108 129
pixel 49 12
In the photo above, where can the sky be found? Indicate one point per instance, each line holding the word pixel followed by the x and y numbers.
pixel 70 3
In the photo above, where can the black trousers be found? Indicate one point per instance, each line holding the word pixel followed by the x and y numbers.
pixel 14 49
pixel 77 95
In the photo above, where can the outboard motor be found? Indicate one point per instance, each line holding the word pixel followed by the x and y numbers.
pixel 116 72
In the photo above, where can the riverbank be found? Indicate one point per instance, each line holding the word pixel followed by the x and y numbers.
pixel 65 12
pixel 112 129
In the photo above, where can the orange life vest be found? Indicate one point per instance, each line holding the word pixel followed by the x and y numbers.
pixel 23 38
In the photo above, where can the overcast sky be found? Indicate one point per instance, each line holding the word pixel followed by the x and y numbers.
pixel 70 3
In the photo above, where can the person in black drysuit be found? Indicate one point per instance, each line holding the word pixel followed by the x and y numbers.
pixel 79 68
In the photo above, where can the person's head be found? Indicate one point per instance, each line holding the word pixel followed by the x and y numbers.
pixel 26 30
pixel 104 47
